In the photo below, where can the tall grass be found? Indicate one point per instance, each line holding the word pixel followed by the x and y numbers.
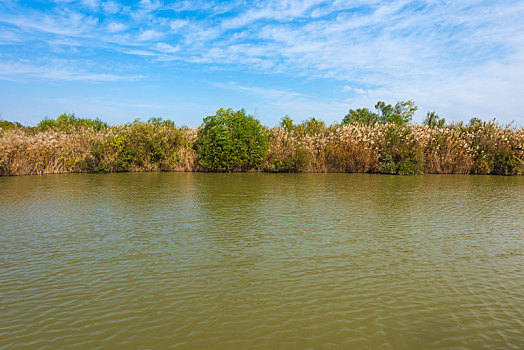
pixel 139 146
pixel 156 145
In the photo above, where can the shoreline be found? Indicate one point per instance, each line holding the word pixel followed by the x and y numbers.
pixel 483 148
pixel 252 172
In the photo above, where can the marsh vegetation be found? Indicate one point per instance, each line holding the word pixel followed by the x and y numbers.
pixel 385 142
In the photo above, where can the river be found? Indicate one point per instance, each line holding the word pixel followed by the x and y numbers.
pixel 237 261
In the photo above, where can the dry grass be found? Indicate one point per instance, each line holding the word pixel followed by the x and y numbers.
pixel 483 148
pixel 131 147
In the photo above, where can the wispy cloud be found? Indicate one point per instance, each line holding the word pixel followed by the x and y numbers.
pixel 163 47
pixel 110 7
pixel 115 27
pixel 266 93
pixel 178 24
pixel 457 53
pixel 297 105
pixel 20 71
pixel 149 35
pixel 62 22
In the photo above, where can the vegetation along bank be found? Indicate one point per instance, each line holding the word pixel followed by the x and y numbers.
pixel 382 141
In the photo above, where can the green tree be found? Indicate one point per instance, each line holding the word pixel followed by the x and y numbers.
pixel 231 141
pixel 474 122
pixel 401 113
pixel 161 122
pixel 434 121
pixel 287 123
pixel 360 116
pixel 311 126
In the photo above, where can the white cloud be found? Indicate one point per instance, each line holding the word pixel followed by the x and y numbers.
pixel 166 48
pixel 110 7
pixel 355 90
pixel 462 55
pixel 8 36
pixel 65 22
pixel 178 24
pixel 149 35
pixel 115 27
pixel 271 94
pixel 138 52
pixel 19 71
pixel 92 4
pixel 271 102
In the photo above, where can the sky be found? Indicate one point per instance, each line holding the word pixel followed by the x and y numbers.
pixel 183 60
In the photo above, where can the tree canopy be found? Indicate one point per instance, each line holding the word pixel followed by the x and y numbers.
pixel 401 113
pixel 231 141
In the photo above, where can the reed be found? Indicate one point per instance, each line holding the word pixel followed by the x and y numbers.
pixel 132 147
pixel 156 145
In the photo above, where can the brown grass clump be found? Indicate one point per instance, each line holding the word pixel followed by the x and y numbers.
pixel 446 150
pixel 130 147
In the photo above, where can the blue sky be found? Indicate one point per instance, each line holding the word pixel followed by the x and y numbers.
pixel 182 60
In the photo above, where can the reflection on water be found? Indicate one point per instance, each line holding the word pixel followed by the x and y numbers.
pixel 261 260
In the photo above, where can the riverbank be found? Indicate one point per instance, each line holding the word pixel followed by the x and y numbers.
pixel 156 145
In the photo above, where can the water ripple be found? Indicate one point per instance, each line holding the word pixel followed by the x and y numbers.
pixel 261 261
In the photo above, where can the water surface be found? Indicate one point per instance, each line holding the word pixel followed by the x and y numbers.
pixel 235 261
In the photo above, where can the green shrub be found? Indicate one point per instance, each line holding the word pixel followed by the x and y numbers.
pixel 69 121
pixel 295 162
pixel 400 153
pixel 137 146
pixel 504 162
pixel 481 167
pixel 6 125
pixel 231 141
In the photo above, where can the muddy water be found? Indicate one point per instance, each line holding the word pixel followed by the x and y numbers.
pixel 235 261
